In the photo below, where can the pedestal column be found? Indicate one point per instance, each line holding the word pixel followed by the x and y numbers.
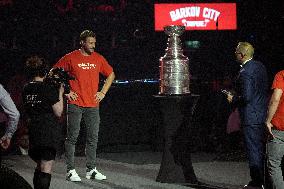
pixel 176 165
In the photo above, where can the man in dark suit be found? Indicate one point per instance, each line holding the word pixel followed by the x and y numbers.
pixel 251 99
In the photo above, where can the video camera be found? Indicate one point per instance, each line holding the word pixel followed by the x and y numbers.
pixel 58 76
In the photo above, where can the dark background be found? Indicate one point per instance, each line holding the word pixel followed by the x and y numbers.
pixel 30 26
pixel 126 37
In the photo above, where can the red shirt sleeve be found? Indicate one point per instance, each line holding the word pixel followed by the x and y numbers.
pixel 106 69
pixel 63 63
pixel 278 81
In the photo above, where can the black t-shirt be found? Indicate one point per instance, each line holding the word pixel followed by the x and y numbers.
pixel 38 98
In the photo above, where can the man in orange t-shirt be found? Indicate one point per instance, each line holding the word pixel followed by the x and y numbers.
pixel 275 128
pixel 83 101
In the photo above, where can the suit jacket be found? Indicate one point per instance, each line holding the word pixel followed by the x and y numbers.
pixel 251 93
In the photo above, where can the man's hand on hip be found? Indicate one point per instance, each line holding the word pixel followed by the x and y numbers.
pixel 72 96
pixel 99 96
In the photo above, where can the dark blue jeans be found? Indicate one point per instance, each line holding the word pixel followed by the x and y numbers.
pixel 92 120
pixel 254 142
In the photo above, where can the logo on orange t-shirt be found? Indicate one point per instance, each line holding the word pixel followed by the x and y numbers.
pixel 87 66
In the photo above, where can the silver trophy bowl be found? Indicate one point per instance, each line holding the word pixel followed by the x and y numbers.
pixel 174 71
pixel 174 30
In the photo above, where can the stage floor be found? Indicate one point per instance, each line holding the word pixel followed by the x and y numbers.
pixel 137 170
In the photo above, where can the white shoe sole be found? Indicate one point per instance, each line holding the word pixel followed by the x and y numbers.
pixel 89 177
pixel 77 180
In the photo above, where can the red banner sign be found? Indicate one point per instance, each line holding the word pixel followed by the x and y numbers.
pixel 197 16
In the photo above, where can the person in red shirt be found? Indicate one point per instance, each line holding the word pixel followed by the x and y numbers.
pixel 85 65
pixel 275 128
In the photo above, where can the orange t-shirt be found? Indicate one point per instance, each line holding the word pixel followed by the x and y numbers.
pixel 86 70
pixel 278 118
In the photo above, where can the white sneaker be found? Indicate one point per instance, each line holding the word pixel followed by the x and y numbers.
pixel 95 174
pixel 73 176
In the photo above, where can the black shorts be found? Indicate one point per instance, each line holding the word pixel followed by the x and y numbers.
pixel 42 153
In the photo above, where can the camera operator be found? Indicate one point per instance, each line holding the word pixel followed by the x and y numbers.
pixel 43 103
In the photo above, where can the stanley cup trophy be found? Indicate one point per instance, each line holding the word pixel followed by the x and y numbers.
pixel 176 105
pixel 174 72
